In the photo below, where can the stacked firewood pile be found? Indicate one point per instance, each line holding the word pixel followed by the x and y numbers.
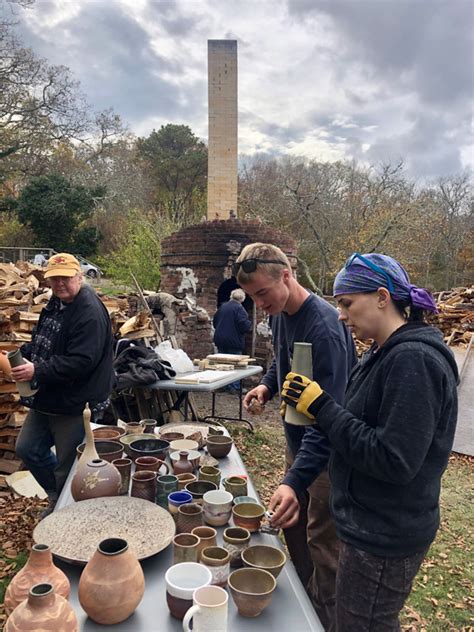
pixel 456 315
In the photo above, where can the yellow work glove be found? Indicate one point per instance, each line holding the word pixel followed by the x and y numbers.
pixel 283 409
pixel 300 393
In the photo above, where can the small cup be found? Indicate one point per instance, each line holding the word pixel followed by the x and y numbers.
pixel 217 506
pixel 184 479
pixel 144 485
pixel 248 515
pixel 150 463
pixel 124 467
pixel 207 537
pixel 175 499
pixel 189 516
pixel 236 485
pixel 149 425
pixel 134 427
pixel 185 548
pixel 209 610
pixel 217 559
pixel 251 590
pixel 181 582
pixel 210 473
pixel 165 485
pixel 236 540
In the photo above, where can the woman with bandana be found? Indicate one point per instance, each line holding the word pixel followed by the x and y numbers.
pixel 390 440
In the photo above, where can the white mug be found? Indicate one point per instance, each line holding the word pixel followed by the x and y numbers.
pixel 209 610
pixel 217 507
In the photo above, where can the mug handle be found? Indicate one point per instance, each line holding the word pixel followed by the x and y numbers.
pixel 160 463
pixel 188 616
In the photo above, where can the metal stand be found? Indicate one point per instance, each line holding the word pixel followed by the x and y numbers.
pixel 238 419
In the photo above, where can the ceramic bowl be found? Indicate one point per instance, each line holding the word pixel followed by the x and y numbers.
pixel 149 447
pixel 248 516
pixel 107 450
pixel 101 431
pixel 171 436
pixel 245 499
pixel 197 489
pixel 127 439
pixel 251 590
pixel 183 444
pixel 219 446
pixel 193 456
pixel 269 558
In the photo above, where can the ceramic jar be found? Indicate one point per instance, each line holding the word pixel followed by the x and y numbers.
pixel 217 559
pixel 189 516
pixel 112 584
pixel 183 465
pixel 235 541
pixel 144 485
pixel 39 569
pixel 42 610
pixel 96 479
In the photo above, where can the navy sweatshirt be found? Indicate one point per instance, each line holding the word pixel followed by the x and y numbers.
pixel 334 356
pixel 231 323
pixel 391 442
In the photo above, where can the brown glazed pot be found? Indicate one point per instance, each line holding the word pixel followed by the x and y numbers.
pixel 152 464
pixel 43 610
pixel 251 590
pixel 183 466
pixel 97 479
pixel 219 446
pixel 144 485
pixel 105 448
pixel 39 569
pixel 188 517
pixel 112 584
pixel 106 433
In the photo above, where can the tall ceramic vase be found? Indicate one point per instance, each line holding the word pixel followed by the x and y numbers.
pixel 89 454
pixel 42 610
pixel 302 363
pixel 39 569
pixel 112 584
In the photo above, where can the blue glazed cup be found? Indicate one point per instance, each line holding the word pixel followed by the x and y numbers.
pixel 176 499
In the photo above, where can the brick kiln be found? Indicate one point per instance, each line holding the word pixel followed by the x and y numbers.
pixel 196 264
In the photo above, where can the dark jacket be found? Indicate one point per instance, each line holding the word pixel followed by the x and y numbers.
pixel 391 443
pixel 231 323
pixel 79 366
pixel 333 352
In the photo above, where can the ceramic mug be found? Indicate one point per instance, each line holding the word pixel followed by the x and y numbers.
pixel 210 473
pixel 217 507
pixel 207 537
pixel 165 485
pixel 134 427
pixel 236 485
pixel 144 485
pixel 181 582
pixel 217 559
pixel 185 548
pixel 209 610
pixel 189 516
pixel 124 467
pixel 150 463
pixel 148 425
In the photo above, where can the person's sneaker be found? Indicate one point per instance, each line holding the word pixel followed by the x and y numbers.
pixel 49 509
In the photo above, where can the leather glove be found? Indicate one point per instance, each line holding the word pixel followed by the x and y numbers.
pixel 300 393
pixel 283 409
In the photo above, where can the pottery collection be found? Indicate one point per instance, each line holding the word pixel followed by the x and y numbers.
pixel 144 485
pixel 96 479
pixel 181 582
pixel 217 506
pixel 209 610
pixel 189 516
pixel 248 515
pixel 112 584
pixel 43 609
pixel 124 467
pixel 236 540
pixel 185 548
pixel 39 569
pixel 269 558
pixel 183 465
pixel 217 559
pixel 251 590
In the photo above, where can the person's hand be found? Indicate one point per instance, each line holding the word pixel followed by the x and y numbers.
pixel 285 506
pixel 300 393
pixel 261 393
pixel 23 372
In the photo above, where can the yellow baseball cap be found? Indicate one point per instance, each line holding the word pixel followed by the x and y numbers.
pixel 62 264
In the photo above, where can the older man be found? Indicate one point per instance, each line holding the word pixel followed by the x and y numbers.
pixel 301 502
pixel 69 361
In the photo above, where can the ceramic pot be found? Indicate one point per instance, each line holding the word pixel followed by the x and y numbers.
pixel 209 610
pixel 165 485
pixel 197 489
pixel 269 558
pixel 106 449
pixel 251 590
pixel 189 516
pixel 185 548
pixel 149 426
pixel 219 446
pixel 301 363
pixel 236 540
pixel 183 466
pixel 181 582
pixel 236 485
pixel 207 537
pixel 217 559
pixel 209 473
pixel 144 485
pixel 176 499
pixel 118 430
pixel 124 467
pixel 149 447
pixel 150 463
pixel 105 433
pixel 184 479
pixel 217 506
pixel 24 388
pixel 171 436
pixel 42 610
pixel 39 569
pixel 112 584
pixel 248 515
pixel 96 480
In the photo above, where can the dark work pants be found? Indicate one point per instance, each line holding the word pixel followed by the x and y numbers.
pixel 371 590
pixel 313 546
pixel 37 436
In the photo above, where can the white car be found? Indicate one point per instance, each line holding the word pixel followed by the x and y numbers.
pixel 89 269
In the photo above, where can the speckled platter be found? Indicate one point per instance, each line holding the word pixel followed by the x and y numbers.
pixel 73 533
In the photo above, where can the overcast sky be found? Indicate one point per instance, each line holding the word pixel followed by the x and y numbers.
pixel 371 80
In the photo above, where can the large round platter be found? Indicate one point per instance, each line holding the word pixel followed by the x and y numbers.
pixel 73 533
